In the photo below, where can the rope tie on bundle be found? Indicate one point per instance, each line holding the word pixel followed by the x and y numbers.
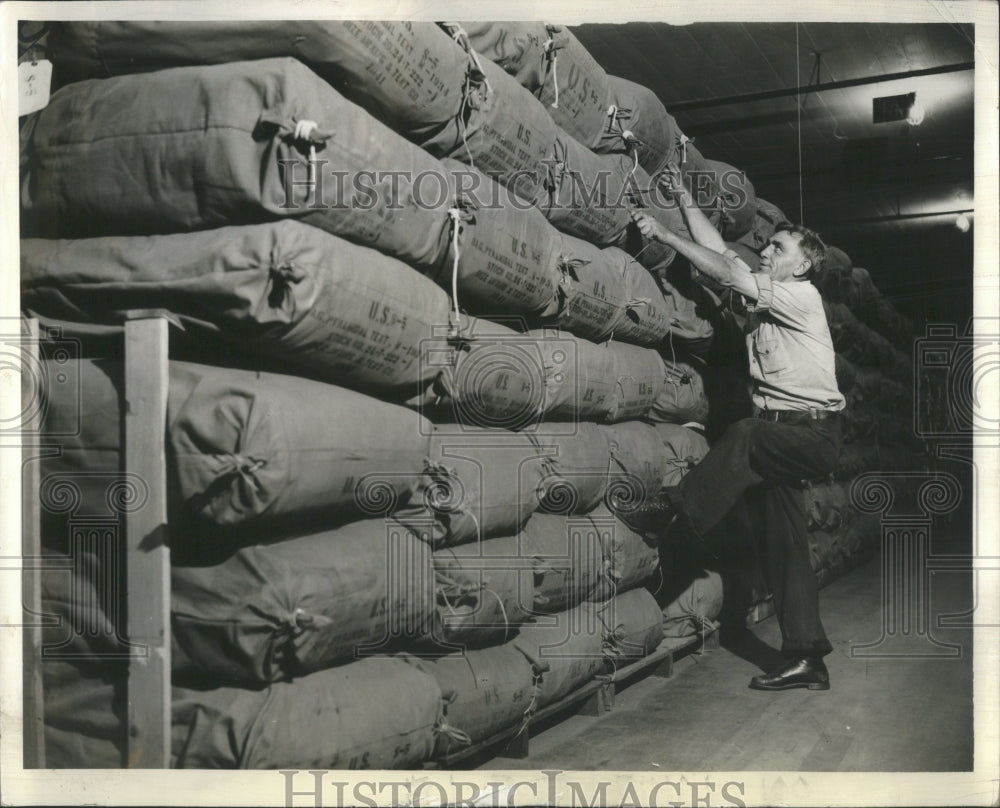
pixel 684 141
pixel 551 54
pixel 447 583
pixel 456 734
pixel 536 686
pixel 299 620
pixel 555 170
pixel 306 131
pixel 567 267
pixel 459 34
pixel 457 216
pixel 475 77
pixel 503 611
pixel 615 116
pixel 637 302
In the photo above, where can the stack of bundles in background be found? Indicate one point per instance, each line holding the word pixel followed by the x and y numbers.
pixel 482 389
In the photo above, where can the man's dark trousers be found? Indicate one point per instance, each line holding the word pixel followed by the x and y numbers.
pixel 760 465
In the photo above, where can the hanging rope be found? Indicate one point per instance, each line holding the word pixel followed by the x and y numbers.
pixel 306 131
pixel 455 214
pixel 475 77
pixel 684 154
pixel 454 733
pixel 503 612
pixel 798 110
pixel 552 54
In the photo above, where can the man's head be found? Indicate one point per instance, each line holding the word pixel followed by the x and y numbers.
pixel 793 253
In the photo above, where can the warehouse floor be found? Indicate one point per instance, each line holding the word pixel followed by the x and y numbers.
pixel 881 714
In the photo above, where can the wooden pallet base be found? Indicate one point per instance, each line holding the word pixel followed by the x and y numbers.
pixel 594 699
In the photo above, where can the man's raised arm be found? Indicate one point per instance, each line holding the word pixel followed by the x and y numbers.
pixel 702 231
pixel 727 271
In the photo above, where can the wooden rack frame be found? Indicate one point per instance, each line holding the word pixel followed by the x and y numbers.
pixel 146 562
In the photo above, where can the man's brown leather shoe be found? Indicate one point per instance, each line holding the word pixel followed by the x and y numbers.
pixel 807 672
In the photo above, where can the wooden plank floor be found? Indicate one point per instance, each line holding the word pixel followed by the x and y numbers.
pixel 880 714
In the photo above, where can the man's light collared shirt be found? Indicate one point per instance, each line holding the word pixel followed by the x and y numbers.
pixel 791 351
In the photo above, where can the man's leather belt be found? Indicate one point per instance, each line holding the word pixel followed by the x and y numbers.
pixel 793 416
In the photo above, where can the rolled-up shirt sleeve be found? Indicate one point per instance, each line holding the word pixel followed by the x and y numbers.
pixel 788 303
pixel 765 293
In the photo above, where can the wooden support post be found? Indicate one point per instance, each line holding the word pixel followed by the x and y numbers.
pixel 517 747
pixel 665 669
pixel 147 555
pixel 601 701
pixel 31 552
pixel 712 639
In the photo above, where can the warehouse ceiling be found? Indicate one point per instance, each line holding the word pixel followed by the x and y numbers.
pixel 815 151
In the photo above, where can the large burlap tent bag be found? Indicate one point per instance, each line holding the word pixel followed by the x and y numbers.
pixel 506 253
pixel 241 445
pixel 639 459
pixel 487 690
pixel 766 218
pixel 847 374
pixel 479 483
pixel 564 555
pixel 649 312
pixel 575 89
pixel 566 650
pixel 521 49
pixel 681 398
pixel 273 611
pixel 344 313
pixel 239 143
pixel 583 193
pixel 630 559
pixel 641 380
pixel 636 624
pixel 506 133
pixel 738 199
pixel 579 471
pixel 826 504
pixel 257 445
pixel 485 590
pixel 569 559
pixel 408 74
pixel 376 713
pixel 583 378
pixel 695 607
pixel 497 377
pixel 701 179
pixel 685 448
pixel 592 289
pixel 85 674
pixel 636 121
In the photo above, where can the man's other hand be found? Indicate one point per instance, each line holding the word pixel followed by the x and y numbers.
pixel 671 181
pixel 648 226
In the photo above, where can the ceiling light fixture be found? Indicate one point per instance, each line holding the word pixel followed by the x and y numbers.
pixel 962 223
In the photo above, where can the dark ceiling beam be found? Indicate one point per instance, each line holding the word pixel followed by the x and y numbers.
pixel 724 101
pixel 895 217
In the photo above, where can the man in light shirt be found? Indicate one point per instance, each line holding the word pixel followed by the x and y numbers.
pixel 761 462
